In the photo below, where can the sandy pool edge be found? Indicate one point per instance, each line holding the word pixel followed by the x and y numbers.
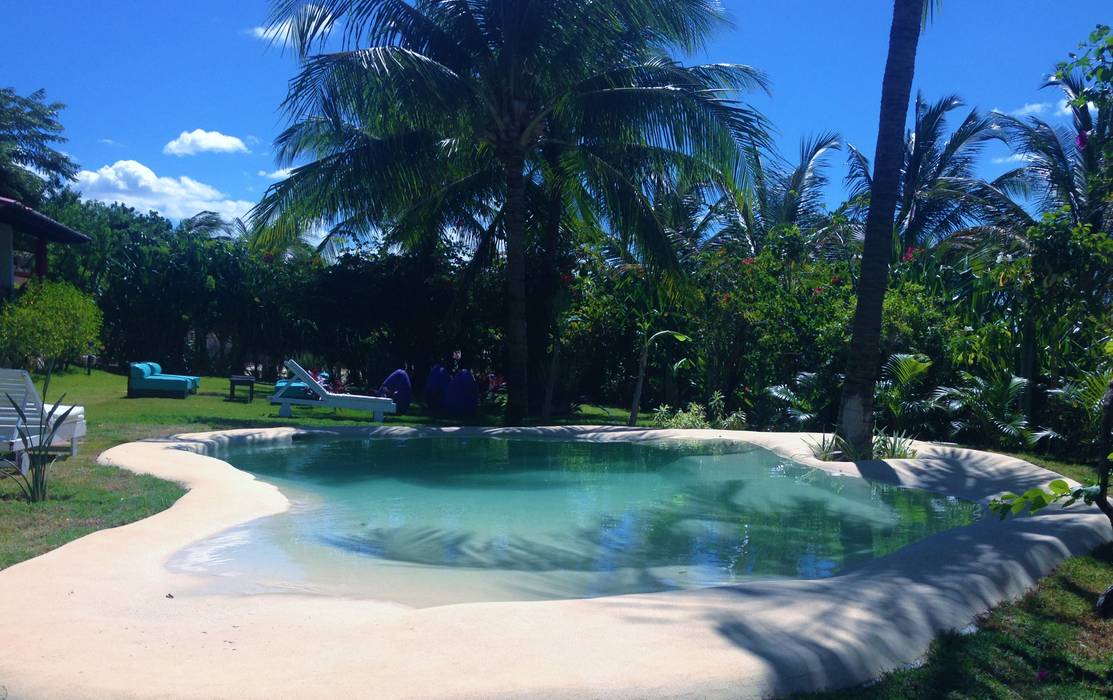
pixel 96 621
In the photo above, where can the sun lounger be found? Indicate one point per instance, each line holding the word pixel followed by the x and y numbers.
pixel 17 384
pixel 305 391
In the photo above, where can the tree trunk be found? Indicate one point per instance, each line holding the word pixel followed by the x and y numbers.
pixel 550 380
pixel 633 420
pixel 1104 447
pixel 517 341
pixel 856 410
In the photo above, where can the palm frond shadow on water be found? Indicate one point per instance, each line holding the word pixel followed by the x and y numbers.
pixel 706 526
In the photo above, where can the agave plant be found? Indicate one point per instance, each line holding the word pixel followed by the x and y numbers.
pixel 988 410
pixel 899 398
pixel 30 467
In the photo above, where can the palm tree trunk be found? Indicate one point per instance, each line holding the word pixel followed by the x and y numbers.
pixel 856 410
pixel 517 341
pixel 634 405
pixel 550 379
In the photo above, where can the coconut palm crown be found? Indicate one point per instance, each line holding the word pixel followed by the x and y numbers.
pixel 437 113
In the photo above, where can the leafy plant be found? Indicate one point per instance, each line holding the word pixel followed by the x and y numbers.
pixel 802 402
pixel 898 395
pixel 828 448
pixel 696 416
pixel 832 447
pixel 29 468
pixel 643 360
pixel 987 410
pixel 896 446
pixel 50 322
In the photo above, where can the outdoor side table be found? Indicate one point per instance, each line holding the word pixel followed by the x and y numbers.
pixel 241 380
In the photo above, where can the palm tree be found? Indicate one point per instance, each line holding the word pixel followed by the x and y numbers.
pixel 434 111
pixel 938 193
pixel 1064 167
pixel 782 195
pixel 856 408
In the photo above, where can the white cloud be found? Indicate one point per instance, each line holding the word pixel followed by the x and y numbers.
pixel 109 142
pixel 136 185
pixel 1032 108
pixel 280 174
pixel 278 34
pixel 200 141
pixel 1014 158
pixel 1065 109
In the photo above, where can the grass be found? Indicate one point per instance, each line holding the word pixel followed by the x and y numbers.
pixel 1047 645
pixel 85 496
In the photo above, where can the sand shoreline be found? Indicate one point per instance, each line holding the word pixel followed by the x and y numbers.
pixel 92 619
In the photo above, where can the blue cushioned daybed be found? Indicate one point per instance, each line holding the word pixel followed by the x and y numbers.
pixel 147 379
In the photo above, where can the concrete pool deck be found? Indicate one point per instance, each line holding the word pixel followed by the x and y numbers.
pixel 96 617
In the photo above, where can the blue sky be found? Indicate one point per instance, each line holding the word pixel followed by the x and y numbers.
pixel 136 75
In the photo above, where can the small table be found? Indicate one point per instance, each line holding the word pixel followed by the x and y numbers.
pixel 241 380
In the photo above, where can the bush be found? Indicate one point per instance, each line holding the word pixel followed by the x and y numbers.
pixel 696 416
pixel 49 323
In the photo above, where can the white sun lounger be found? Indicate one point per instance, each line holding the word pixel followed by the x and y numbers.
pixel 295 395
pixel 17 384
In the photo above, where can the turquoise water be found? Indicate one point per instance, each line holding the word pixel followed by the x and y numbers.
pixel 431 521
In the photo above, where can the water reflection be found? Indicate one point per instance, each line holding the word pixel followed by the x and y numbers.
pixel 447 519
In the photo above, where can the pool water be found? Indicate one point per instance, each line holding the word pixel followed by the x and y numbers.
pixel 438 520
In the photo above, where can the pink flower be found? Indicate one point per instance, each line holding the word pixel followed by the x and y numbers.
pixel 910 253
pixel 1042 675
pixel 747 261
pixel 817 290
pixel 1082 139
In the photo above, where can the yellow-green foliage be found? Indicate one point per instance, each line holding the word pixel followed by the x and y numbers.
pixel 52 321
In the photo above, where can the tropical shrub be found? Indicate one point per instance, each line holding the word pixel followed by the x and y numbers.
pixel 49 323
pixel 986 411
pixel 714 416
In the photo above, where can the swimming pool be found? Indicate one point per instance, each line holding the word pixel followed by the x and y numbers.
pixel 426 521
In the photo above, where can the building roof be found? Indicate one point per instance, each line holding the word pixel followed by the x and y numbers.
pixel 26 220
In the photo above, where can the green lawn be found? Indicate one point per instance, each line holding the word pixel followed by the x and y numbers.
pixel 1047 645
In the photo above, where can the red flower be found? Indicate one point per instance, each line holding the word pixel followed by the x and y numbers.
pixel 910 253
pixel 724 298
pixel 747 261
pixel 817 290
pixel 836 279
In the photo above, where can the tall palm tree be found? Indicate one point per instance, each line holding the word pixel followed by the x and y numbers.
pixel 445 106
pixel 856 408
pixel 938 192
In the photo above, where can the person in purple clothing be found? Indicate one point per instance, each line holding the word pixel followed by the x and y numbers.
pixel 461 398
pixel 397 387
pixel 435 385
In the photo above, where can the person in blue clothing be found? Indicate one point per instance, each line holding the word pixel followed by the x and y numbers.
pixel 435 385
pixel 461 398
pixel 397 387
